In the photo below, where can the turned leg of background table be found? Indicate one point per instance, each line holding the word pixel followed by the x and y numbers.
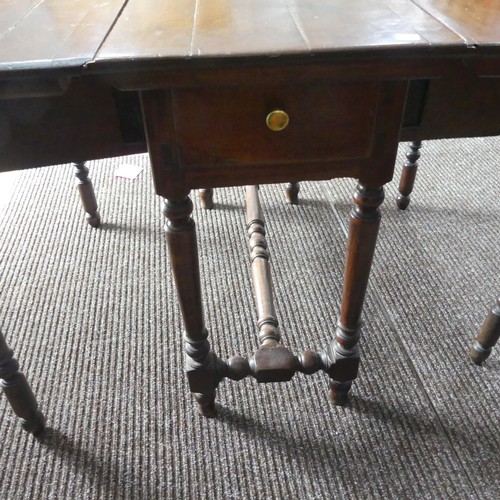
pixel 18 392
pixel 201 363
pixel 206 197
pixel 408 175
pixel 488 335
pixel 292 190
pixel 344 352
pixel 87 195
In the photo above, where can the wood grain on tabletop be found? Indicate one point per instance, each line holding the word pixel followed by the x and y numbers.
pixel 12 12
pixel 40 34
pixel 157 29
pixel 477 21
pixel 52 33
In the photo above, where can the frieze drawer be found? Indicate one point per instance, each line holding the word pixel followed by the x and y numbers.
pixel 282 125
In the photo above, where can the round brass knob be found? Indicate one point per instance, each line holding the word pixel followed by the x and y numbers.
pixel 277 120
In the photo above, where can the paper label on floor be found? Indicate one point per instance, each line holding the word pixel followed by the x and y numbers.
pixel 128 171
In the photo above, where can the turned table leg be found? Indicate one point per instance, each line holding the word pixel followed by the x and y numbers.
pixel 18 392
pixel 488 335
pixel 206 197
pixel 87 195
pixel 292 190
pixel 343 353
pixel 408 175
pixel 201 363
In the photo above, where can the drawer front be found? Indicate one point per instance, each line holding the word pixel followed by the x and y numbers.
pixel 228 126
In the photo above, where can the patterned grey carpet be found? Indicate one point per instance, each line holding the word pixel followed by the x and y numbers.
pixel 93 319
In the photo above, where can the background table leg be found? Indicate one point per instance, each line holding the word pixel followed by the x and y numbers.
pixel 343 352
pixel 18 392
pixel 408 175
pixel 87 195
pixel 206 197
pixel 488 335
pixel 292 190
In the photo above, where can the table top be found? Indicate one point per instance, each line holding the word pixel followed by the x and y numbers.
pixel 72 36
pixel 477 22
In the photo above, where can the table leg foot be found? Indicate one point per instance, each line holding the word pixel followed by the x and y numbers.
pixel 342 363
pixel 408 175
pixel 18 392
pixel 479 353
pixel 292 190
pixel 206 404
pixel 339 392
pixel 402 202
pixel 35 424
pixel 206 197
pixel 488 336
pixel 87 195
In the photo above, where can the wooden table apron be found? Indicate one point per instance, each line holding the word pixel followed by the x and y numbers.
pixel 206 127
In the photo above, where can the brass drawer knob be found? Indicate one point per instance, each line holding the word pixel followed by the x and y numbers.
pixel 277 120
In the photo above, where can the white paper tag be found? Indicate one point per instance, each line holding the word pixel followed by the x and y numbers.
pixel 128 171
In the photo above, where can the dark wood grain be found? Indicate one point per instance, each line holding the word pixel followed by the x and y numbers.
pixel 51 35
pixel 477 22
pixel 81 124
pixel 464 106
pixel 204 29
pixel 227 126
pixel 12 12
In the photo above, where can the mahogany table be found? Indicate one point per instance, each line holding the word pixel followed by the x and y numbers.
pixel 231 92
